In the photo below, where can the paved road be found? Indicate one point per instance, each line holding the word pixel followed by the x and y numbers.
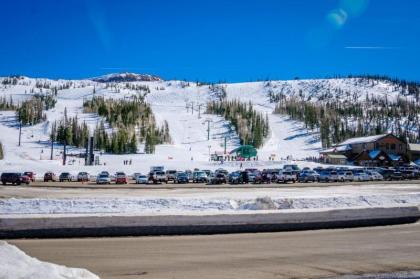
pixel 309 254
pixel 65 190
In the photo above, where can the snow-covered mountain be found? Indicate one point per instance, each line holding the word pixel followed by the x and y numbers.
pixel 182 105
pixel 126 77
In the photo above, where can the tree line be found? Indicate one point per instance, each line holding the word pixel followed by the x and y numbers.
pixel 31 112
pixel 252 127
pixel 337 121
pixel 132 121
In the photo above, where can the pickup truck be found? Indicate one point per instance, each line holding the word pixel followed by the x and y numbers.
pixel 158 177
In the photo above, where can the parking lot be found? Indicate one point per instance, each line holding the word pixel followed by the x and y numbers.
pixel 197 186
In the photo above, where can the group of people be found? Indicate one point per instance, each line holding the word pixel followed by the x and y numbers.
pixel 127 162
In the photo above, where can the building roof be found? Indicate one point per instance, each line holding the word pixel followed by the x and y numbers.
pixel 394 157
pixel 374 153
pixel 336 156
pixel 415 147
pixel 363 139
pixel 340 148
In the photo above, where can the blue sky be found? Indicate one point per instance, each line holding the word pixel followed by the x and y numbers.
pixel 218 40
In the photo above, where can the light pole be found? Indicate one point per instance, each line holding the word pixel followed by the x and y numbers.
pixel 209 152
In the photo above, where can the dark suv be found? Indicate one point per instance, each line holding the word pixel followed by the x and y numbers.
pixel 14 178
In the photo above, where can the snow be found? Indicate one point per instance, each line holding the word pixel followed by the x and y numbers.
pixel 214 201
pixel 363 139
pixel 14 264
pixel 288 140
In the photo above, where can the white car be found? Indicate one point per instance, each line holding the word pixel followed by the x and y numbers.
pixel 103 179
pixel 141 179
pixel 345 176
pixel 286 176
pixel 375 175
pixel 135 175
pixel 361 176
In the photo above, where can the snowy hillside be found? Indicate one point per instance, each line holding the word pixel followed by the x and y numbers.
pixel 182 105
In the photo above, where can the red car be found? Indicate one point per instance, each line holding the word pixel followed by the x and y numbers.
pixel 30 174
pixel 120 178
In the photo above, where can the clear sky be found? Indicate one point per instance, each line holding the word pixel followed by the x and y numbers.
pixel 217 40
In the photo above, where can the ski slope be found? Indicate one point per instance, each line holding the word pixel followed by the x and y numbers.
pixel 182 105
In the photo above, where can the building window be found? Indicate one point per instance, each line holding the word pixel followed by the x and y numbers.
pixel 376 145
pixel 393 146
pixel 387 146
pixel 400 147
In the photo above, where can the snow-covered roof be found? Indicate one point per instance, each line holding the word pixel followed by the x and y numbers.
pixel 340 148
pixel 415 147
pixel 336 156
pixel 363 139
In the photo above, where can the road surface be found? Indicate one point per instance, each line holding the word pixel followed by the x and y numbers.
pixel 305 254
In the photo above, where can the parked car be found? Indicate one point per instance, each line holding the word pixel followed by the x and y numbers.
pixel 50 176
pixel 103 178
pixel 208 172
pixel 65 176
pixel 189 174
pixel 171 175
pixel 135 175
pixel 328 176
pixel 361 176
pixel 374 175
pixel 200 177
pixel 83 177
pixel 222 171
pixel 31 175
pixel 344 176
pixel 121 178
pixel 287 176
pixel 142 179
pixel 308 176
pixel 181 178
pixel 235 177
pixel 254 175
pixel 158 177
pixel 14 178
pixel 388 174
pixel 218 178
pixel 105 173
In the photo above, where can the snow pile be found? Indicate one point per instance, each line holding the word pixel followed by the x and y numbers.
pixel 168 205
pixel 15 264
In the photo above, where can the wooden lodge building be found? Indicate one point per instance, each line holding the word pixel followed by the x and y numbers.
pixel 379 150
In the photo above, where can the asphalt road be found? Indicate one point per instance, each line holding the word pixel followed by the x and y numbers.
pixel 305 254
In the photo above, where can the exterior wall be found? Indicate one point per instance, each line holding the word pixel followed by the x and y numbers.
pixel 388 144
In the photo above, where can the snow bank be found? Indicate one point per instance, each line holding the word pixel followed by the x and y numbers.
pixel 207 205
pixel 14 264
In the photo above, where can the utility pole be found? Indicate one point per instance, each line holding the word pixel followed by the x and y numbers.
pixel 225 145
pixel 199 111
pixel 52 149
pixel 192 107
pixel 20 128
pixel 208 128
pixel 64 152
